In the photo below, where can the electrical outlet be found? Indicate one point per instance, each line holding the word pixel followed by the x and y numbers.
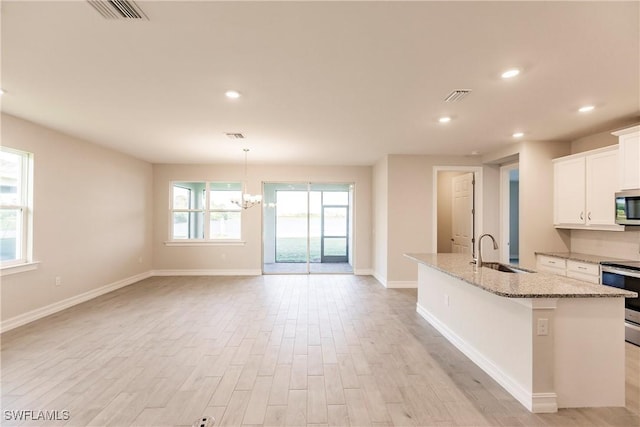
pixel 543 327
pixel 58 280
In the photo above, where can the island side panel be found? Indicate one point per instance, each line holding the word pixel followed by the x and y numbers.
pixel 493 331
pixel 590 354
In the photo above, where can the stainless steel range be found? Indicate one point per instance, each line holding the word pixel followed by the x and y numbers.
pixel 626 275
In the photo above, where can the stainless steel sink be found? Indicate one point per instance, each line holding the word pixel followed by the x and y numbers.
pixel 504 267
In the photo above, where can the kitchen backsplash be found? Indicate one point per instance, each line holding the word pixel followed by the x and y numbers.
pixel 625 245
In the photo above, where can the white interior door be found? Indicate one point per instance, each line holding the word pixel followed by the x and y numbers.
pixel 462 214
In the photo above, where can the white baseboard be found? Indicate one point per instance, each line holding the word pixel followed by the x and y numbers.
pixel 412 284
pixel 534 402
pixel 544 403
pixel 363 272
pixel 379 278
pixel 202 272
pixel 41 312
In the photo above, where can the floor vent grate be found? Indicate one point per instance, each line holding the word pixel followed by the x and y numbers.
pixel 204 422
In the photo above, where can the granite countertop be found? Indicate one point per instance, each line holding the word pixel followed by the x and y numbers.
pixel 576 256
pixel 516 285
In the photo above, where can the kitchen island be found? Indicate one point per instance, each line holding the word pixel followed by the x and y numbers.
pixel 550 341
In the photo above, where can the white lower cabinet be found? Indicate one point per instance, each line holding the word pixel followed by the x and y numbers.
pixel 585 271
pixel 553 265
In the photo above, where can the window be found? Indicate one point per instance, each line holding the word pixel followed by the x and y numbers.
pixel 15 232
pixel 205 211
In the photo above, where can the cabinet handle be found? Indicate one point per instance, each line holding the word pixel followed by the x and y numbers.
pixel 552 262
pixel 589 216
pixel 582 268
pixel 582 215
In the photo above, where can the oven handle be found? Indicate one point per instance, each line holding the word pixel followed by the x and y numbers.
pixel 632 326
pixel 621 271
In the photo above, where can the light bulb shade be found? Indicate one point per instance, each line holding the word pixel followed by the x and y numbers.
pixel 247 201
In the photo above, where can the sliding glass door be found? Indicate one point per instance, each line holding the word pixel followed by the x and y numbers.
pixel 307 228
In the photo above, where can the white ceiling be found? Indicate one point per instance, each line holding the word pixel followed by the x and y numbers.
pixel 340 83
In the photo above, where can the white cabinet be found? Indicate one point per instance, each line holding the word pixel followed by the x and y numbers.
pixel 584 271
pixel 584 189
pixel 629 157
pixel 552 265
pixel 569 191
pixel 601 188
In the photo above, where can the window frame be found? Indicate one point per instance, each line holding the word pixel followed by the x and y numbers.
pixel 206 211
pixel 25 207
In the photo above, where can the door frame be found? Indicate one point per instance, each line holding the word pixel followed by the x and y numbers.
pixel 334 258
pixel 477 202
pixel 505 249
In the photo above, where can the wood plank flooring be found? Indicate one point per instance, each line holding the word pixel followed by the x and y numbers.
pixel 268 350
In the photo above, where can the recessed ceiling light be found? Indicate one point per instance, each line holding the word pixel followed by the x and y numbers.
pixel 232 94
pixel 444 119
pixel 510 73
pixel 586 108
pixel 518 135
pixel 475 153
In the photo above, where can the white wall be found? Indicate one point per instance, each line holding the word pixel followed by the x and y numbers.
pixel 92 218
pixel 601 139
pixel 614 244
pixel 536 201
pixel 247 258
pixel 410 210
pixel 380 219
pixel 536 196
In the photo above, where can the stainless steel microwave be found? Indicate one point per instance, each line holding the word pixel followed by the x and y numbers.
pixel 628 207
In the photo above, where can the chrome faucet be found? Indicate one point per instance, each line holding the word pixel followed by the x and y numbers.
pixel 478 261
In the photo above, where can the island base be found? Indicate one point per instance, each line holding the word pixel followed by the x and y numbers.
pixel 548 353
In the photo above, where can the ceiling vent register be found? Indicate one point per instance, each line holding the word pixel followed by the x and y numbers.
pixel 234 135
pixel 457 95
pixel 118 9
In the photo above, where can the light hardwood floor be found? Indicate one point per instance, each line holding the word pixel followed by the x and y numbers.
pixel 267 350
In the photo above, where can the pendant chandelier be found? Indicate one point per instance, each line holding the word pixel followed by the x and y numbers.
pixel 247 200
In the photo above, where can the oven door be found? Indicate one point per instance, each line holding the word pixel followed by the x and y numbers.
pixel 629 280
pixel 624 279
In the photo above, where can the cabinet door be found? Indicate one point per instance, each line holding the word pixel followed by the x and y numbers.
pixel 569 191
pixel 602 183
pixel 629 161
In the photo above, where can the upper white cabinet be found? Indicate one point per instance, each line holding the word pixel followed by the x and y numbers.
pixel 629 157
pixel 601 187
pixel 569 191
pixel 584 189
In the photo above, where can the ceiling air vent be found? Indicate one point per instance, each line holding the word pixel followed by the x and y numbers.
pixel 457 95
pixel 118 9
pixel 233 135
